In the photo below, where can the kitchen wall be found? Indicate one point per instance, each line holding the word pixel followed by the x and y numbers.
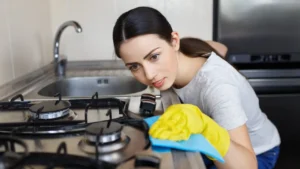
pixel 97 17
pixel 27 29
pixel 25 37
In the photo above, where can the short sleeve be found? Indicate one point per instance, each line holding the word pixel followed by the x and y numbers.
pixel 224 105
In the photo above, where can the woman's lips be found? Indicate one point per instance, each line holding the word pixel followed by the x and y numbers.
pixel 159 83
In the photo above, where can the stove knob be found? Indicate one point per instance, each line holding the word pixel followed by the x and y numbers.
pixel 147 161
pixel 147 107
pixel 148 96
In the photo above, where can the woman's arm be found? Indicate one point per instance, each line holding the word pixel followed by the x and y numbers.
pixel 226 108
pixel 240 153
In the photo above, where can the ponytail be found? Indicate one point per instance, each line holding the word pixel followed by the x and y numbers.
pixel 195 47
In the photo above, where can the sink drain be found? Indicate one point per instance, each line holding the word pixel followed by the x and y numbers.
pixel 102 81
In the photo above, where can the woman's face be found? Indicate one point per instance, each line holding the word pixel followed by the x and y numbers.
pixel 152 60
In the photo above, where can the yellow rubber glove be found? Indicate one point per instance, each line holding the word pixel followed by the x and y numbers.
pixel 179 121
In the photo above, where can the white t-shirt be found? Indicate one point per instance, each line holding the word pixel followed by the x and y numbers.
pixel 222 93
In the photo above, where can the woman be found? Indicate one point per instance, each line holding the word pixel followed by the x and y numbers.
pixel 156 56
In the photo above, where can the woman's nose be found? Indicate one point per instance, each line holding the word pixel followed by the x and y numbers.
pixel 149 72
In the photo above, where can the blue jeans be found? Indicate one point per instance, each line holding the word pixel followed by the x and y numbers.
pixel 266 160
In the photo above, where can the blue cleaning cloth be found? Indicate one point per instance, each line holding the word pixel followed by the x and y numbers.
pixel 196 143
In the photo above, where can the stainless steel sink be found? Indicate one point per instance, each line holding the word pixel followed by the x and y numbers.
pixel 88 86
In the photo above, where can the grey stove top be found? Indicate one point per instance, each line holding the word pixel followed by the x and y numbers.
pixel 96 133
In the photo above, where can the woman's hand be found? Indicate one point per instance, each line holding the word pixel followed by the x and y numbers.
pixel 177 123
pixel 181 120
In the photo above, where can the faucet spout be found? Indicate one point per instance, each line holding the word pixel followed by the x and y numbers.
pixel 58 34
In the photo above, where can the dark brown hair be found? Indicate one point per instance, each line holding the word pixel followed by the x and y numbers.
pixel 147 20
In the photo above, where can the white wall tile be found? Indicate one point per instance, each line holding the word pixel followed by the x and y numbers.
pixel 123 6
pixel 6 67
pixel 28 27
pixel 191 17
pixel 97 17
pixel 99 20
pixel 30 34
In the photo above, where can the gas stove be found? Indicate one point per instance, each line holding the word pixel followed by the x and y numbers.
pixel 76 133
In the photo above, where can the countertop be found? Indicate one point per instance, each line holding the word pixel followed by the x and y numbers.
pixel 31 82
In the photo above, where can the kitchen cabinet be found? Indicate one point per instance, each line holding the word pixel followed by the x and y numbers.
pixel 284 111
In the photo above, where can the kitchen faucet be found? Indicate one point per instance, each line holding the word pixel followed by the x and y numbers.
pixel 60 64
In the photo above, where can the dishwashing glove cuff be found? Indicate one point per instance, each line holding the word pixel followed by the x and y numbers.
pixel 216 135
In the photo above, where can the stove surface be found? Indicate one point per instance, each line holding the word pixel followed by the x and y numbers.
pixel 85 133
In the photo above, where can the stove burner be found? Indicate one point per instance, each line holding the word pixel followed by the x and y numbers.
pixel 109 138
pixel 49 110
pixel 10 156
pixel 89 147
pixel 111 132
pixel 60 159
pixel 38 160
pixel 9 143
pixel 68 115
pixel 119 141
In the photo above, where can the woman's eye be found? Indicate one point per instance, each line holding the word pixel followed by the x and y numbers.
pixel 134 67
pixel 154 57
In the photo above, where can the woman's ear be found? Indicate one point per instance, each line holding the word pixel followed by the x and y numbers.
pixel 175 40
